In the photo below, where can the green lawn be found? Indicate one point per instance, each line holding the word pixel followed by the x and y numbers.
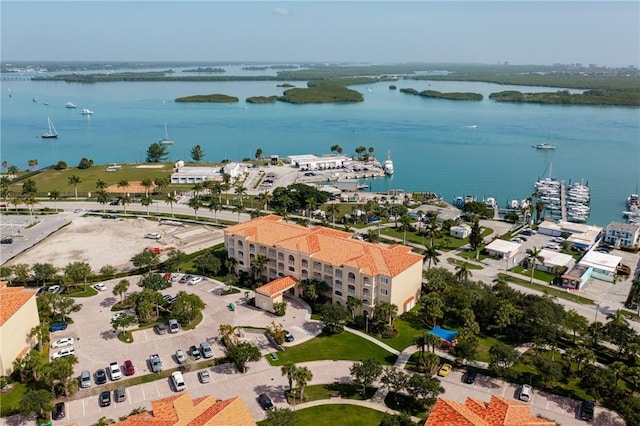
pixel 344 346
pixel 336 415
pixel 347 391
pixel 407 330
pixel 485 343
pixel 11 400
pixel 540 275
pixel 461 262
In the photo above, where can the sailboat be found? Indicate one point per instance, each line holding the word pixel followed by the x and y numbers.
pixel 545 145
pixel 52 133
pixel 166 140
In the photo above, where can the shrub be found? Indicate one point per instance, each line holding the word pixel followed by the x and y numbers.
pixel 85 163
pixel 61 165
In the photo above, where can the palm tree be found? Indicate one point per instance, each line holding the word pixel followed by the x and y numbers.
pixel 420 341
pixel 213 206
pixel 121 288
pixel 102 197
pixel 161 183
pixel 146 201
pixel 333 209
pixel 170 199
pixel 54 194
pixel 12 170
pixel 29 202
pixel 302 376
pixel 125 199
pixel 264 198
pixel 353 303
pixel 386 311
pixel 289 369
pixel 195 203
pixel 432 229
pixel 240 192
pixel 226 332
pixel 5 165
pixel 197 188
pixel 258 265
pixel 462 272
pixel 431 340
pixel 75 181
pixel 238 208
pixel 100 184
pixel 431 255
pixel 124 184
pixel 147 183
pixel 534 257
pixel 405 224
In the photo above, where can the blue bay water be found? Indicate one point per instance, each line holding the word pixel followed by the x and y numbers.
pixel 448 147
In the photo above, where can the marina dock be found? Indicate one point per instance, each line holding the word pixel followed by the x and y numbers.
pixel 563 202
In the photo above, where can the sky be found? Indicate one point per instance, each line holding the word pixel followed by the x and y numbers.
pixel 536 32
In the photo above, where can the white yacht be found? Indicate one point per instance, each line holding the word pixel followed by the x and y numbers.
pixel 70 105
pixel 86 112
pixel 387 166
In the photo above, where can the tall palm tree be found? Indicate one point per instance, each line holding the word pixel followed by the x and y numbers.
pixel 12 170
pixel 353 303
pixel 302 376
pixel 75 181
pixel 195 203
pixel 102 197
pixel 289 369
pixel 147 183
pixel 431 255
pixel 213 206
pixel 161 183
pixel 534 256
pixel 170 199
pixel 258 265
pixel 124 200
pixel 432 229
pixel 311 204
pixel 146 201
pixel 197 188
pixel 463 273
pixel 100 184
pixel 238 208
pixel 333 209
pixel 5 165
pixel 265 197
pixel 120 289
pixel 240 192
pixel 54 194
pixel 386 311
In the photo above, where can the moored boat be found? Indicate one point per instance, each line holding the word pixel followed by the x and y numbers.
pixel 86 112
pixel 52 133
pixel 544 146
pixel 387 166
pixel 70 105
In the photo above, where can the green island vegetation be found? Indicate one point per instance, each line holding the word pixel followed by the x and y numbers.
pixel 269 67
pixel 213 98
pixel 324 92
pixel 589 97
pixel 285 85
pixel 262 99
pixel 454 96
pixel 206 69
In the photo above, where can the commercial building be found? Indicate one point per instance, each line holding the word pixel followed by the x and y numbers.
pixel 313 162
pixel 577 277
pixel 18 315
pixel 373 273
pixel 506 250
pixel 474 412
pixel 622 234
pixel 182 410
pixel 552 260
pixel 603 266
pixel 196 175
pixel 580 235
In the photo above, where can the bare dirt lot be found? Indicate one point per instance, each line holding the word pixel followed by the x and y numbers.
pixel 100 242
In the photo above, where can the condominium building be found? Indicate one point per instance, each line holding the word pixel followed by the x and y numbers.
pixel 18 315
pixel 622 234
pixel 372 273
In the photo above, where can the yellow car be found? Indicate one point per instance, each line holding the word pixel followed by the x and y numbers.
pixel 444 370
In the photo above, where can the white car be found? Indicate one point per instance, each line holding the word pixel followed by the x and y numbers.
pixel 55 289
pixel 194 280
pixel 178 381
pixel 100 287
pixel 114 371
pixel 204 376
pixel 153 236
pixel 62 353
pixel 61 343
pixel 181 356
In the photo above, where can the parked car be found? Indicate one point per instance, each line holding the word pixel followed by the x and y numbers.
pixel 114 371
pixel 7 240
pixel 167 276
pixel 58 326
pixel 101 376
pixel 526 232
pixel 128 368
pixel 195 352
pixel 204 376
pixel 180 356
pixel 156 363
pixel 288 337
pixel 100 287
pixel 62 353
pixel 587 410
pixel 194 281
pixel 175 277
pixel 470 377
pixel 167 297
pixel 178 381
pixel 120 394
pixel 61 343
pixel 153 236
pixel 58 412
pixel 444 370
pixel 206 350
pixel 161 328
pixel 522 238
pixel 55 289
pixel 265 401
pixel 105 399
pixel 42 290
pixel 183 279
pixel 525 393
pixel 85 379
pixel 174 327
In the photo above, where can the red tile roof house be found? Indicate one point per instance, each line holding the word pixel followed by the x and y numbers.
pixel 497 412
pixel 370 272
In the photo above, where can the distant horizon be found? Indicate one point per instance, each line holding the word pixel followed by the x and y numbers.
pixel 606 33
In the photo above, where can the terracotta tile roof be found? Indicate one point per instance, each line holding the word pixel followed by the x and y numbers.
pixel 327 245
pixel 273 288
pixel 11 300
pixel 498 412
pixel 135 187
pixel 178 410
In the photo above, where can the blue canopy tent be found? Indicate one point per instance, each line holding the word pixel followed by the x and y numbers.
pixel 447 335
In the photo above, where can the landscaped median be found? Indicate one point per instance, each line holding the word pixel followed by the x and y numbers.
pixel 344 346
pixel 336 415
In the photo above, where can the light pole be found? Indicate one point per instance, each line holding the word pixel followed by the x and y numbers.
pixel 597 309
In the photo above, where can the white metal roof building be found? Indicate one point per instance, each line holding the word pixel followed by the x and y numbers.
pixel 313 162
pixel 553 259
pixel 506 250
pixel 196 174
pixel 603 265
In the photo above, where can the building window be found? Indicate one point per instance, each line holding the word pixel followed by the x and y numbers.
pixel 351 289
pixel 328 269
pixel 328 279
pixel 384 292
pixel 272 252
pixel 240 245
pixel 305 274
pixel 351 277
pixel 366 292
pixel 384 280
pixel 317 266
pixel 252 248
pixel 366 281
pixel 292 260
pixel 305 263
pixel 232 252
pixel 317 276
pixel 262 250
pixel 230 242
pixel 280 256
pixel 338 293
pixel 292 268
pixel 338 273
pixel 241 254
pixel 252 256
pixel 338 285
pixel 280 266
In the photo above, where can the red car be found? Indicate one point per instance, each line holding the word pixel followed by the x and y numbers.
pixel 167 276
pixel 128 368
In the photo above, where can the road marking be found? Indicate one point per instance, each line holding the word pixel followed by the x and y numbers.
pixel 144 398
pixel 157 390
pixel 84 411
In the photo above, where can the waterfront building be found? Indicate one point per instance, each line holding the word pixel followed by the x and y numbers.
pixel 181 409
pixel 189 174
pixel 18 315
pixel 235 170
pixel 603 266
pixel 497 412
pixel 580 235
pixel 460 231
pixel 313 162
pixel 372 273
pixel 622 234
